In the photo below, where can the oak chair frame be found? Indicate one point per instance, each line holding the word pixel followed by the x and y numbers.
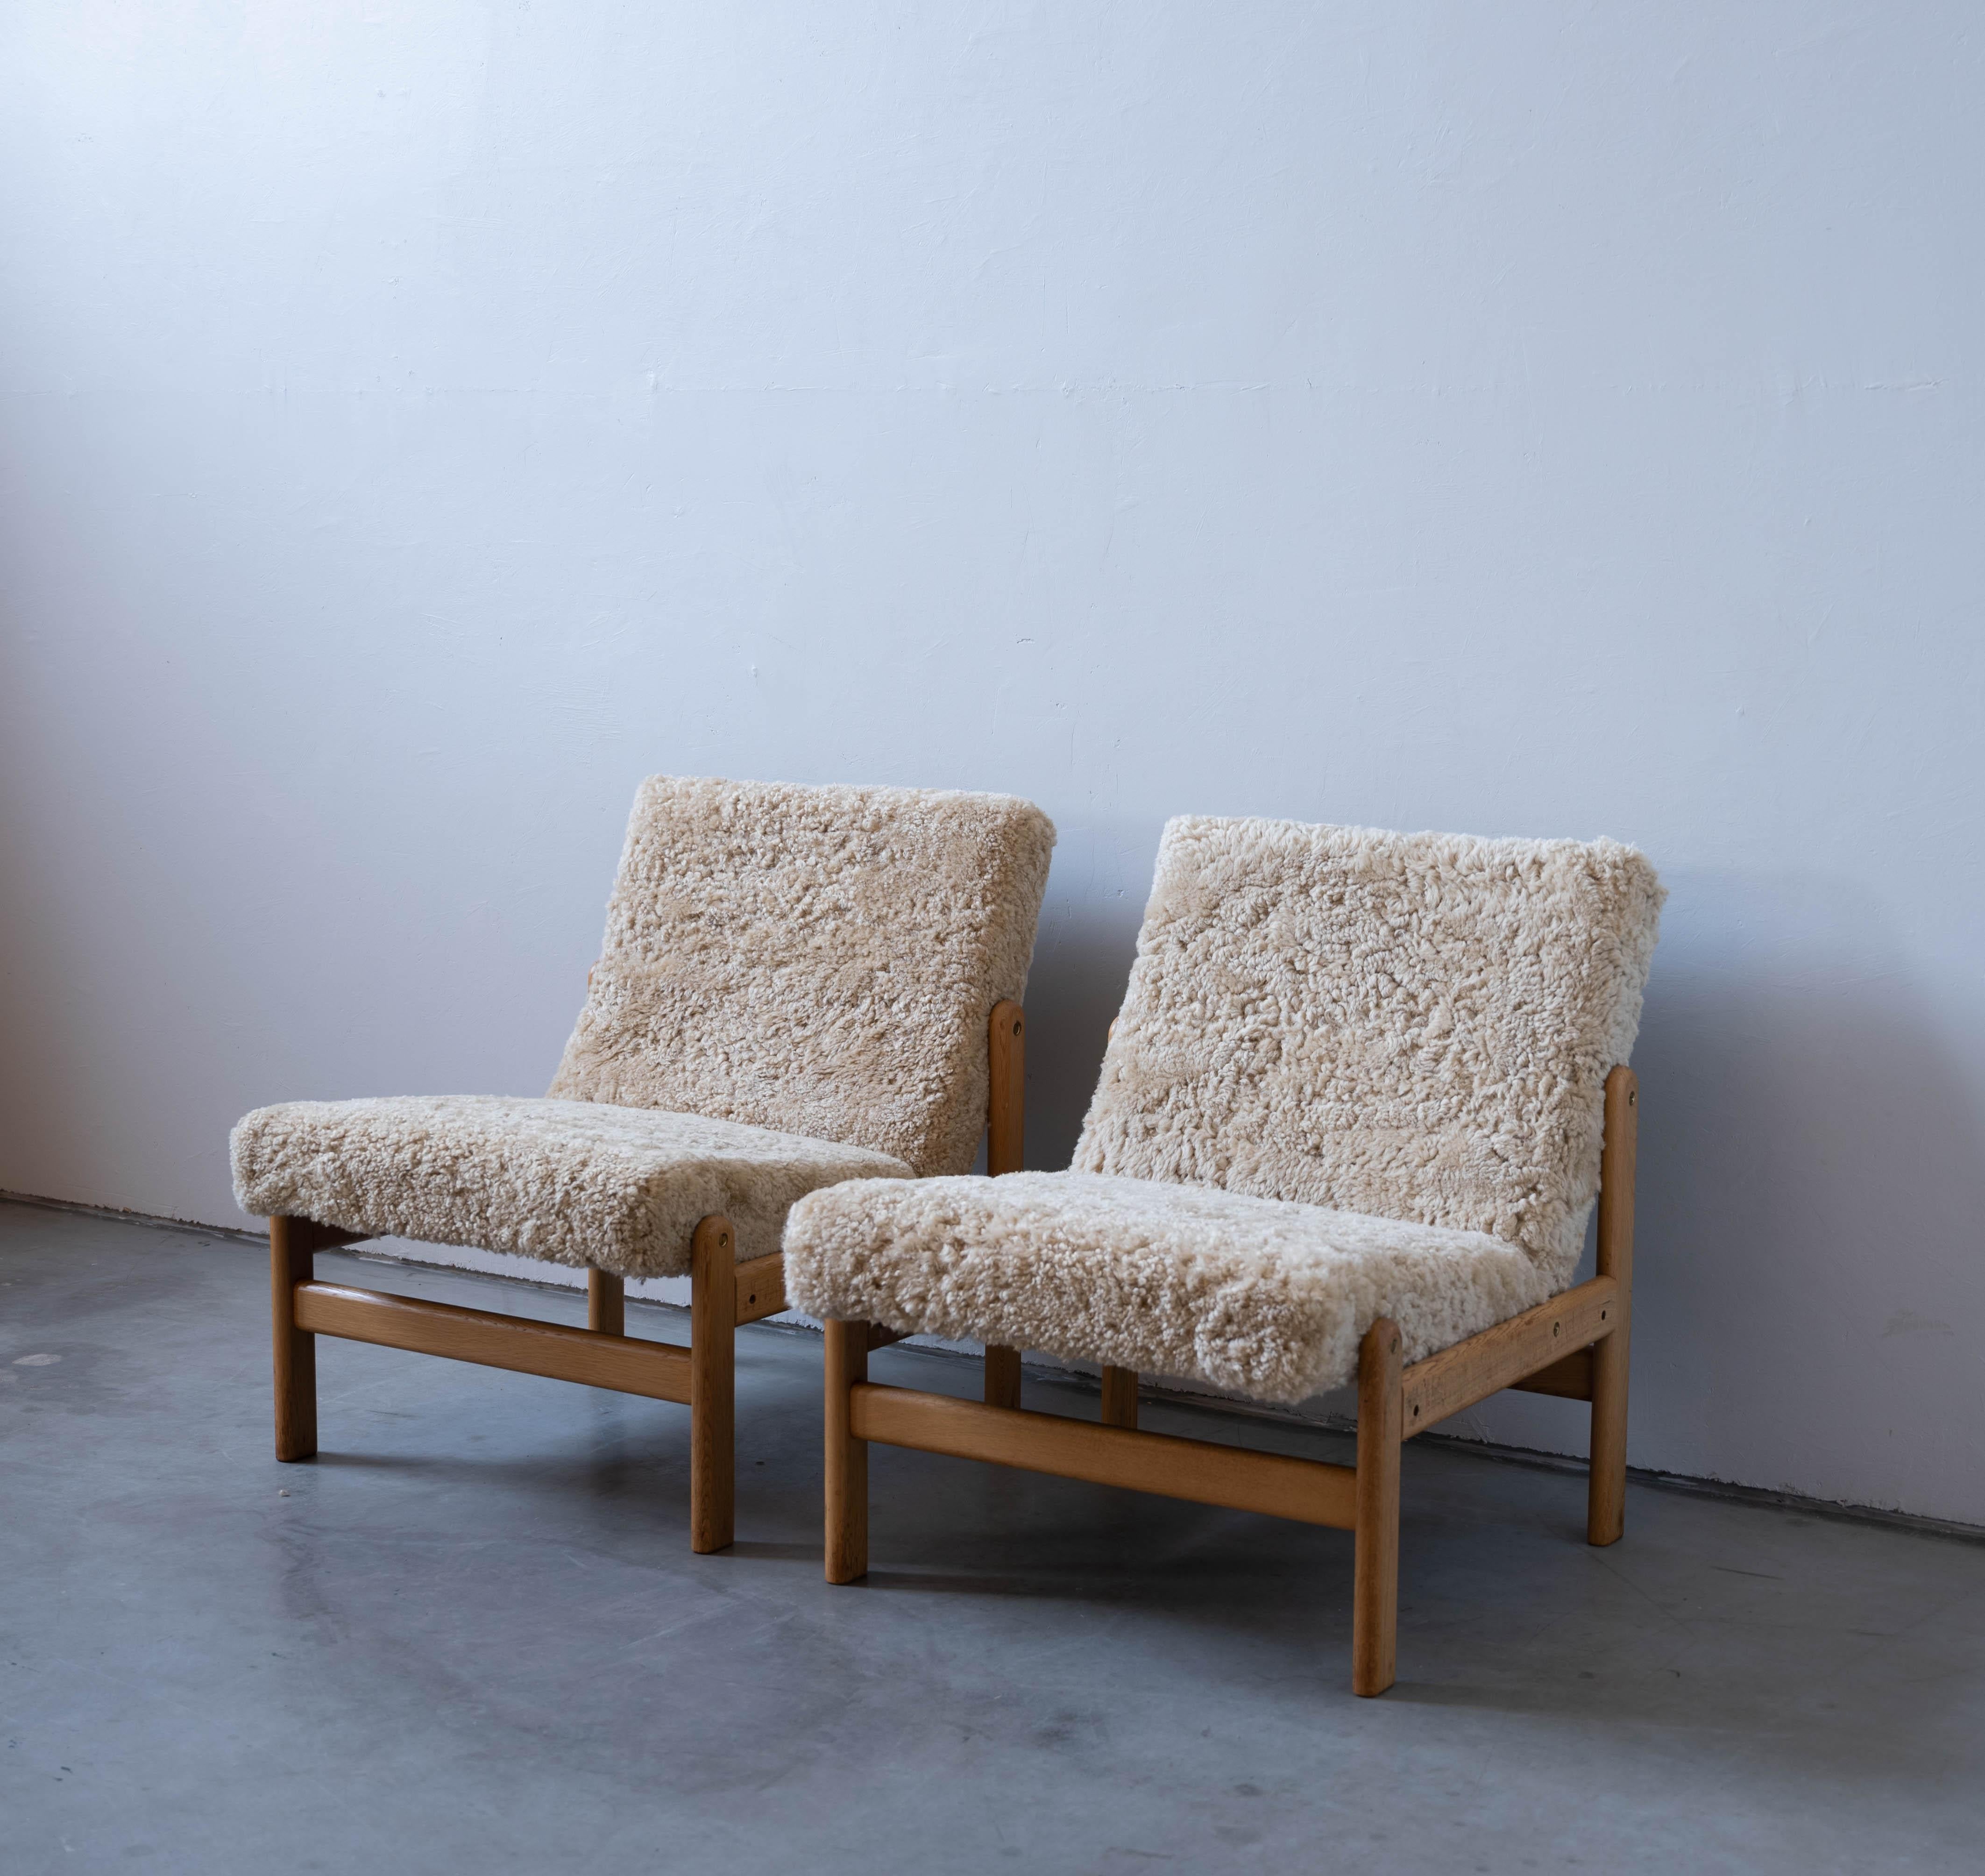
pixel 1575 1345
pixel 724 1295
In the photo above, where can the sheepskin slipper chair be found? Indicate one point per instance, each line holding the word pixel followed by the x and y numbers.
pixel 799 985
pixel 1363 1093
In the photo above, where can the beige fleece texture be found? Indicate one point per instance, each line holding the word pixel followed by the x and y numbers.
pixel 1356 1074
pixel 794 990
pixel 568 1182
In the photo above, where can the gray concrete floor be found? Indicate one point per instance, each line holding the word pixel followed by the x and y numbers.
pixel 471 1635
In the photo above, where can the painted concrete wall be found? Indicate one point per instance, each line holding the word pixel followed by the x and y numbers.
pixel 416 426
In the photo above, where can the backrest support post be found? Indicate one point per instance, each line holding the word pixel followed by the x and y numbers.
pixel 1006 1042
pixel 1617 1154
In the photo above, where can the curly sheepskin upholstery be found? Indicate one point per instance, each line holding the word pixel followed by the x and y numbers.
pixel 1356 1074
pixel 568 1182
pixel 1266 1298
pixel 794 991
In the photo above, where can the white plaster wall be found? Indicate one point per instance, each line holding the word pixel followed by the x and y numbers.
pixel 417 424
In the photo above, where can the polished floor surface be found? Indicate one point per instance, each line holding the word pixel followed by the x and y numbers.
pixel 471 1635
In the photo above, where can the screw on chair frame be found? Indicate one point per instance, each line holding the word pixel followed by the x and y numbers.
pixel 723 1294
pixel 1574 1346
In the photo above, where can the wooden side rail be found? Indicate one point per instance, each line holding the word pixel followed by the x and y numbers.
pixel 1234 1476
pixel 656 1370
pixel 1512 1352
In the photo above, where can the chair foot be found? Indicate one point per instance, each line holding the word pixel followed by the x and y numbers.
pixel 1374 1619
pixel 713 1385
pixel 846 1457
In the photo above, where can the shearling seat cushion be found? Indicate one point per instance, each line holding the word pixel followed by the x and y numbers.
pixel 822 960
pixel 1258 1295
pixel 569 1182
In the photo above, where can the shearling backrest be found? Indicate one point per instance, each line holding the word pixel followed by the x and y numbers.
pixel 1412 1026
pixel 820 960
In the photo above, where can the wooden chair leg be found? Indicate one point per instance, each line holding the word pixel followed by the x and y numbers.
pixel 605 1303
pixel 1120 1396
pixel 1605 1490
pixel 713 1385
pixel 291 1243
pixel 1374 1619
pixel 847 1456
